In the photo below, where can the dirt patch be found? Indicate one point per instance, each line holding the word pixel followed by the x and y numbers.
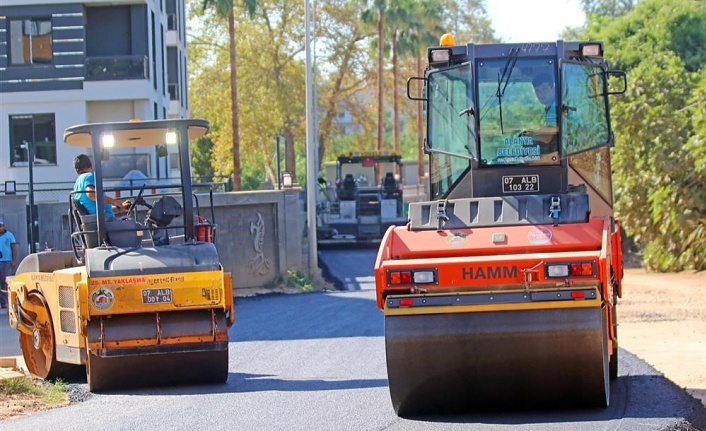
pixel 662 320
pixel 16 405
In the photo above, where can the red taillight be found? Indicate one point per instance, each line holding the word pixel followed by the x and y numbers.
pixel 407 302
pixel 406 277
pixel 400 277
pixel 577 294
pixel 581 269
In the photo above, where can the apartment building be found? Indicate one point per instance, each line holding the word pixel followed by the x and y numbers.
pixel 64 63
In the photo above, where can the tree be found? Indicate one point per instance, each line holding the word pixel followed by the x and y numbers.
pixel 339 37
pixel 424 30
pixel 224 9
pixel 660 161
pixel 468 21
pixel 611 8
pixel 376 13
pixel 275 78
pixel 271 87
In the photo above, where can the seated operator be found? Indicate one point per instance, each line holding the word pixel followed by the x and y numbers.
pixel 546 136
pixel 85 187
pixel 544 90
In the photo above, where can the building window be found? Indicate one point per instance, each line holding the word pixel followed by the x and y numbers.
pixel 33 129
pixel 30 41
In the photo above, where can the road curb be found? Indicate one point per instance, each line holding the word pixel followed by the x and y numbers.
pixel 12 367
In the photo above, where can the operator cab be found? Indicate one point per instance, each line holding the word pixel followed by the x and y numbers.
pixel 171 211
pixel 514 119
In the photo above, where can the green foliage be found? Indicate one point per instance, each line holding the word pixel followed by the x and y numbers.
pixel 270 86
pixel 20 385
pixel 688 40
pixel 201 151
pixel 607 7
pixel 54 393
pixel 298 280
pixel 51 393
pixel 660 160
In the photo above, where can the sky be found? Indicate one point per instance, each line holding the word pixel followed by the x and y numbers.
pixel 533 20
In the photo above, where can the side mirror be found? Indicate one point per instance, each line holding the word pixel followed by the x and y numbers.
pixel 409 91
pixel 618 86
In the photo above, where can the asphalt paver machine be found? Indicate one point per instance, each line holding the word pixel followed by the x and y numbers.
pixel 364 201
pixel 141 299
pixel 501 290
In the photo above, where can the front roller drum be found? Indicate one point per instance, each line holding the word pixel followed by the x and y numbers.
pixel 124 363
pixel 460 362
pixel 166 369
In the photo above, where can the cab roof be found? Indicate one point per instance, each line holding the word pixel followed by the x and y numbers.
pixel 128 134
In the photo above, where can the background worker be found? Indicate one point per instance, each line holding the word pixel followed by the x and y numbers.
pixel 8 260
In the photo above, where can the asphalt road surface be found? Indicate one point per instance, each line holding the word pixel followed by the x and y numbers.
pixel 316 361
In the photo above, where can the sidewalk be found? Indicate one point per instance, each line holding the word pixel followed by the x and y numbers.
pixel 13 366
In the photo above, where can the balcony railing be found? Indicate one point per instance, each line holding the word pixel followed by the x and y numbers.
pixel 117 67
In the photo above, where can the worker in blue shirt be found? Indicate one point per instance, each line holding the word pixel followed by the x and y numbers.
pixel 85 188
pixel 545 91
pixel 8 260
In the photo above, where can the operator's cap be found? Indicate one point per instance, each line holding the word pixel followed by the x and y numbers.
pixel 2 221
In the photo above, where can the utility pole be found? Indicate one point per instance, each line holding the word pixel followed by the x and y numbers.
pixel 311 151
pixel 29 146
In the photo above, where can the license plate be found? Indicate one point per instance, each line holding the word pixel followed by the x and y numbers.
pixel 520 183
pixel 156 296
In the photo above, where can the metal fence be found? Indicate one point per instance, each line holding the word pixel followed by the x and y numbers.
pixel 59 191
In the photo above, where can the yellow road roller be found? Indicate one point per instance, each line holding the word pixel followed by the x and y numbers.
pixel 501 291
pixel 141 299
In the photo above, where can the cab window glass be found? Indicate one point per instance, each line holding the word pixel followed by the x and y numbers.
pixel 518 111
pixel 584 122
pixel 451 112
pixel 451 126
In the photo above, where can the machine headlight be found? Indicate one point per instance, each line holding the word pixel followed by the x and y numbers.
pixel 439 55
pixel 558 270
pixel 423 276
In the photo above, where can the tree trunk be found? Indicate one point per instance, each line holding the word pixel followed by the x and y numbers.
pixel 234 103
pixel 420 129
pixel 381 77
pixel 395 99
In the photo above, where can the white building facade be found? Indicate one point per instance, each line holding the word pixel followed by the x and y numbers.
pixel 63 64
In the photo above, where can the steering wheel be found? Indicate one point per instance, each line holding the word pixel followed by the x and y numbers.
pixel 138 200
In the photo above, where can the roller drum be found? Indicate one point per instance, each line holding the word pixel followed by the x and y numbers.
pixel 454 362
pixel 166 369
pixel 181 349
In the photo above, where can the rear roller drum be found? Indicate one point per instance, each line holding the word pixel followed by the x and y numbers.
pixel 459 362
